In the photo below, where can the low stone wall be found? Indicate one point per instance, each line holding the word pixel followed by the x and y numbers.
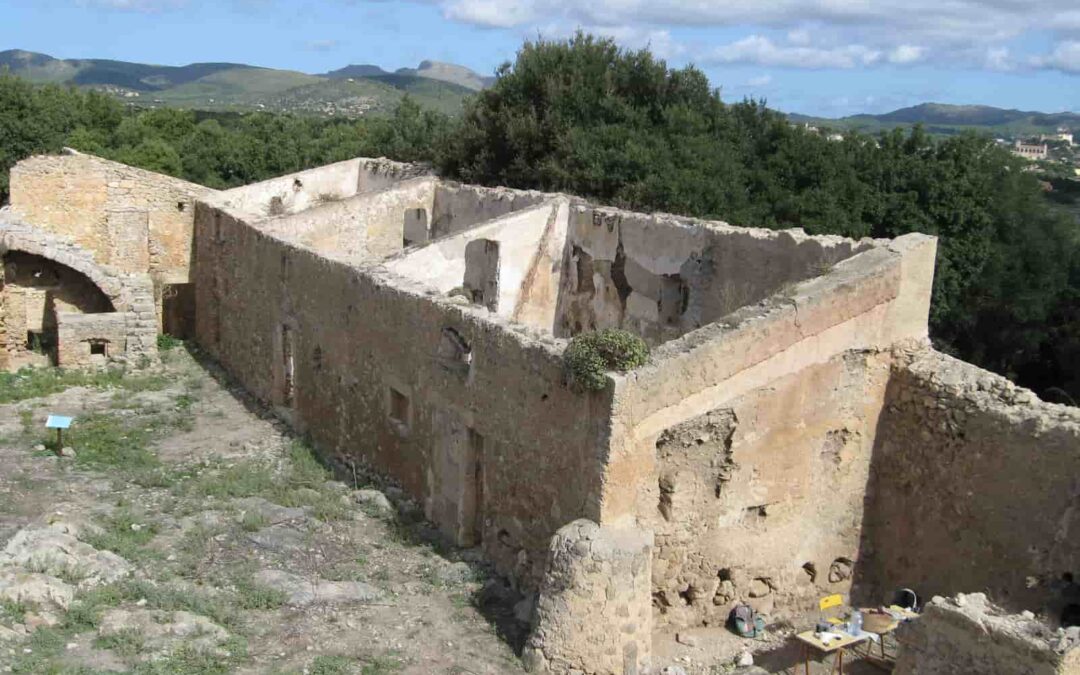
pixel 91 339
pixel 594 614
pixel 973 488
pixel 968 635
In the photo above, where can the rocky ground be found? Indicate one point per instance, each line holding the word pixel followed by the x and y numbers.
pixel 186 531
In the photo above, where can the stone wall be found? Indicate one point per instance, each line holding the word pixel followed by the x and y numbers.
pixel 369 224
pixel 974 487
pixel 459 207
pixel 132 220
pixel 969 635
pixel 662 276
pixel 130 294
pixel 746 444
pixel 91 339
pixel 511 265
pixel 300 191
pixel 376 370
pixel 593 614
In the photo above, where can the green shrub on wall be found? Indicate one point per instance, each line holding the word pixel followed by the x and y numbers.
pixel 591 355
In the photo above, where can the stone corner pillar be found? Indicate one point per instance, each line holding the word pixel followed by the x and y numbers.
pixel 594 611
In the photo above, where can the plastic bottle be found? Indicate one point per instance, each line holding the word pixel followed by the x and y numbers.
pixel 856 623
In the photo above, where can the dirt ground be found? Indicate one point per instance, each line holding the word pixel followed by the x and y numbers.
pixel 232 551
pixel 188 532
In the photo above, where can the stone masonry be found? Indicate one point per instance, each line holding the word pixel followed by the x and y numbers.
pixel 792 435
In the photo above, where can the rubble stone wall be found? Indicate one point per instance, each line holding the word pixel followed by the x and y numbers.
pixel 593 614
pixel 750 453
pixel 967 634
pixel 974 487
pixel 378 371
pixel 133 220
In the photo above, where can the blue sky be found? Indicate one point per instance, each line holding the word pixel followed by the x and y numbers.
pixel 825 57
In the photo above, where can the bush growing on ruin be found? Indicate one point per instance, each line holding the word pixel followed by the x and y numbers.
pixel 591 355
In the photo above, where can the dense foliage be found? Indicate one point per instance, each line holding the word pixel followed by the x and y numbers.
pixel 585 117
pixel 592 354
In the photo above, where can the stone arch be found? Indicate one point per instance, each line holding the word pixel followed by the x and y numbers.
pixel 61 252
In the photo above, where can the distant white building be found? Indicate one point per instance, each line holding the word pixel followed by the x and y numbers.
pixel 1030 151
pixel 1062 134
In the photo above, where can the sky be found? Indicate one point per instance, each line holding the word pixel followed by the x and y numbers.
pixel 818 57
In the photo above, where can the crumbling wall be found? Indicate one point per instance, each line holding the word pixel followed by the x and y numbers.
pixel 299 191
pixel 378 371
pixel 65 277
pixel 369 224
pixel 517 257
pixel 974 488
pixel 969 635
pixel 132 220
pixel 760 501
pixel 459 207
pixel 593 614
pixel 746 444
pixel 661 276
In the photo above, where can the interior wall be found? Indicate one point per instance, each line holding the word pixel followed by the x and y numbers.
pixel 460 207
pixel 661 277
pixel 974 488
pixel 370 224
pixel 373 368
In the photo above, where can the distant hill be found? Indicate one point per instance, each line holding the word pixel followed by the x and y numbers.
pixel 352 91
pixel 940 118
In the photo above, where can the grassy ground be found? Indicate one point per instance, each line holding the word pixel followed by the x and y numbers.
pixel 205 495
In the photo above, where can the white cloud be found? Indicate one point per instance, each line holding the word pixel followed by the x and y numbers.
pixel 810 33
pixel 490 13
pixel 760 81
pixel 760 50
pixel 1065 57
pixel 905 54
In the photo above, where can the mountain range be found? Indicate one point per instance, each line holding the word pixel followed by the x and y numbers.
pixel 362 89
pixel 351 91
pixel 941 118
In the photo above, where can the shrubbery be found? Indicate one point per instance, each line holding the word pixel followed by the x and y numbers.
pixel 591 355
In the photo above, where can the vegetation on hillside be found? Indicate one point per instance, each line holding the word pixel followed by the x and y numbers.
pixel 583 116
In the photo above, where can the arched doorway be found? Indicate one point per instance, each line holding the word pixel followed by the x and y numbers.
pixel 35 292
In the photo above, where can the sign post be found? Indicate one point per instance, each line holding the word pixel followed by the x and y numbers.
pixel 58 422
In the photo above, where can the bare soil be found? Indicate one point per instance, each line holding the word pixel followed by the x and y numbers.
pixel 223 515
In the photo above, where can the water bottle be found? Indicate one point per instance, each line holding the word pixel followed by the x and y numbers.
pixel 856 623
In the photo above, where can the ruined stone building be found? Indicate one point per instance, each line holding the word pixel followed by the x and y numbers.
pixel 792 435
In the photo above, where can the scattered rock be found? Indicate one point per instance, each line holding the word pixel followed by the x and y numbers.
pixel 1028 614
pixel 35 620
pixel 279 538
pixel 9 635
pixel 35 589
pixel 57 553
pixel 673 670
pixel 67 452
pixel 454 574
pixel 301 591
pixel 375 501
pixel 744 659
pixel 39 448
pixel 271 512
pixel 161 631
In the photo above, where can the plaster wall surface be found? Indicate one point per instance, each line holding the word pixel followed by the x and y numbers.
pixel 749 454
pixel 460 207
pixel 662 276
pixel 969 635
pixel 369 224
pixel 526 267
pixel 300 191
pixel 377 368
pixel 974 487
